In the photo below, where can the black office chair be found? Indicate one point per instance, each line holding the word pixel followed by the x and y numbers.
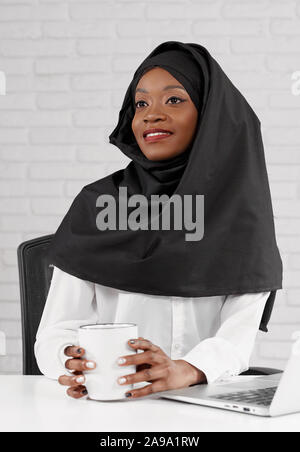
pixel 35 275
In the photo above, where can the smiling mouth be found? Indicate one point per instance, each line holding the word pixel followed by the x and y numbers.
pixel 153 138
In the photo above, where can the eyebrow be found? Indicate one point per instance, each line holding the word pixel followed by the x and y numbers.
pixel 164 89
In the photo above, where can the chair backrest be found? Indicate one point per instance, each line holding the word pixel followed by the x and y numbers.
pixel 35 275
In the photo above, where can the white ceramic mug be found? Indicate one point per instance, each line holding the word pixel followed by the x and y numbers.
pixel 104 343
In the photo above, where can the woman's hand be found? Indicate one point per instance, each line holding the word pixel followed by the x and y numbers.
pixel 157 368
pixel 76 389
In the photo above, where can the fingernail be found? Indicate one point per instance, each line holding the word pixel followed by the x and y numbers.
pixel 121 380
pixel 90 364
pixel 121 360
pixel 80 379
pixel 132 341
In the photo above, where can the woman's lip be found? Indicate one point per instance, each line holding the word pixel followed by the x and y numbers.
pixel 157 137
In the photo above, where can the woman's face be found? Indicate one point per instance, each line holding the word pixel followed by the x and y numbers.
pixel 157 106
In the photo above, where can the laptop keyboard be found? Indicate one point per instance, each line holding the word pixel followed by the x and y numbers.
pixel 262 397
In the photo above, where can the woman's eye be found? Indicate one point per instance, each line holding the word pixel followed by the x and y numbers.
pixel 138 102
pixel 173 97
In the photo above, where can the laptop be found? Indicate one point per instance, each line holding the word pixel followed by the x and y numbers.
pixel 271 395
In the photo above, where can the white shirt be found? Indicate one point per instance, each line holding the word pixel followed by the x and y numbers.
pixel 216 334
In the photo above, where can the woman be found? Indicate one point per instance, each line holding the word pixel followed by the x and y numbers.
pixel 198 302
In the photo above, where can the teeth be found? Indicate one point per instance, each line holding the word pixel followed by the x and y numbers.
pixel 157 133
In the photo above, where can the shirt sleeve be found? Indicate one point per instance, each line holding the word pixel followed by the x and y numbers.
pixel 228 353
pixel 70 303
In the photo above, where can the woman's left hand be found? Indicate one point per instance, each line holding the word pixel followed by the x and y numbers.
pixel 157 368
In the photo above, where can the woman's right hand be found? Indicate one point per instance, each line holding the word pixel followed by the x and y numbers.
pixel 77 364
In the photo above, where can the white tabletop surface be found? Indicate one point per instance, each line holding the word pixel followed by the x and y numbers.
pixel 37 403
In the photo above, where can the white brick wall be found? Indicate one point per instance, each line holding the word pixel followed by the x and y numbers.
pixel 68 64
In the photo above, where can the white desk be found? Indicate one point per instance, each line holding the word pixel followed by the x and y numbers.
pixel 36 403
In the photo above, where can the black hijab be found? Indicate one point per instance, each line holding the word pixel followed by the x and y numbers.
pixel 225 163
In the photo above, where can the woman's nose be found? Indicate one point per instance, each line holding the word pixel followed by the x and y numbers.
pixel 154 115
